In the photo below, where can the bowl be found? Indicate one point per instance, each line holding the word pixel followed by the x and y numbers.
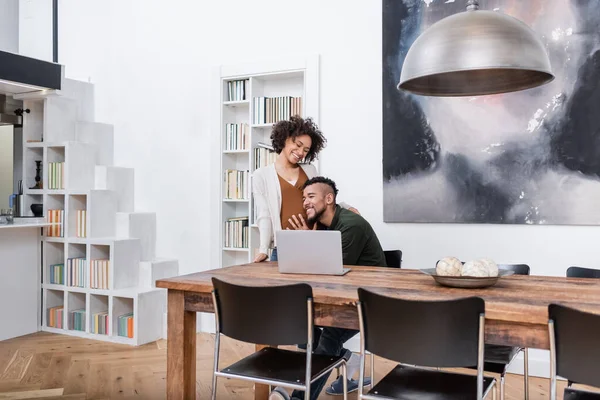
pixel 37 210
pixel 466 282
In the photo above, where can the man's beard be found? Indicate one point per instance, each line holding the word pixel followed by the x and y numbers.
pixel 315 218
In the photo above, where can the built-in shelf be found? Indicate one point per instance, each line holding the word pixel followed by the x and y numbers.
pixel 262 125
pixel 299 79
pixel 236 103
pixel 235 249
pixel 236 151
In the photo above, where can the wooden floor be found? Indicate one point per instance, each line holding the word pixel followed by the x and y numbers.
pixel 50 366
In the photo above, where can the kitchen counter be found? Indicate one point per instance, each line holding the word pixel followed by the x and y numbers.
pixel 25 224
pixel 20 276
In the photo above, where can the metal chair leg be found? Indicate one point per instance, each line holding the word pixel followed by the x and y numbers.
pixel 495 391
pixel 216 365
pixel 526 372
pixel 502 387
pixel 372 371
pixel 345 376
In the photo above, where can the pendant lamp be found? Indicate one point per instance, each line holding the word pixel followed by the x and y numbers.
pixel 473 53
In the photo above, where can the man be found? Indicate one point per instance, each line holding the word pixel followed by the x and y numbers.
pixel 360 246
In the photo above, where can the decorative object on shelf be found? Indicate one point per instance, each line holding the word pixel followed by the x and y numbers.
pixel 37 210
pixel 19 112
pixel 38 175
pixel 6 216
pixel 17 201
pixel 475 53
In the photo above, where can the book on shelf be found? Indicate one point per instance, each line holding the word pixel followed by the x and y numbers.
pixel 99 274
pixel 125 325
pixel 55 317
pixel 57 218
pixel 57 274
pixel 237 136
pixel 100 323
pixel 81 223
pixel 269 110
pixel 236 232
pixel 237 89
pixel 265 146
pixel 77 320
pixel 237 185
pixel 76 271
pixel 55 175
pixel 263 157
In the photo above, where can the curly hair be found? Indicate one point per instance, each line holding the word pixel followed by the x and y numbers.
pixel 295 127
pixel 322 179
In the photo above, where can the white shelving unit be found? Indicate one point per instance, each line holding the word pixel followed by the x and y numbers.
pixel 294 77
pixel 60 128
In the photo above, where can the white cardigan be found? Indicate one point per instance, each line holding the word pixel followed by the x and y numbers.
pixel 267 198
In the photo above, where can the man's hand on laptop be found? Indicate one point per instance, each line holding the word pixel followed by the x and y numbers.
pixel 298 223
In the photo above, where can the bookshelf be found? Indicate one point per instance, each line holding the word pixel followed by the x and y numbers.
pixel 99 266
pixel 272 90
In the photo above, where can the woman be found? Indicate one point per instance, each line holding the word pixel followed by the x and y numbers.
pixel 277 187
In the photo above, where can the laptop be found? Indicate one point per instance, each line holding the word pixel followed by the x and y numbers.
pixel 310 252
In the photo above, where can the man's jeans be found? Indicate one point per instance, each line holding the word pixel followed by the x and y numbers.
pixel 331 343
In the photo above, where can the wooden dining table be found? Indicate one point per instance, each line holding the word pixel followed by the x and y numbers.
pixel 516 307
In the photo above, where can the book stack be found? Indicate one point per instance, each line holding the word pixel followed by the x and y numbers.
pixel 236 136
pixel 77 320
pixel 55 175
pixel 268 110
pixel 125 325
pixel 237 184
pixel 100 323
pixel 236 232
pixel 76 271
pixel 263 155
pixel 81 223
pixel 237 89
pixel 56 217
pixel 99 274
pixel 57 274
pixel 55 317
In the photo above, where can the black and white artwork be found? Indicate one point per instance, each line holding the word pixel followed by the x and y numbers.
pixel 528 157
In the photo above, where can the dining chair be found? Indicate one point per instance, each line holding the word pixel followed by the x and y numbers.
pixel 574 351
pixel 498 358
pixel 422 335
pixel 393 258
pixel 580 272
pixel 251 314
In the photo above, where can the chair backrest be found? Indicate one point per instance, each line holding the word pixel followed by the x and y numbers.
pixel 580 272
pixel 426 333
pixel 275 315
pixel 393 258
pixel 519 269
pixel 575 347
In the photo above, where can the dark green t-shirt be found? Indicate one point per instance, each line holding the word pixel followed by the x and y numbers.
pixel 360 245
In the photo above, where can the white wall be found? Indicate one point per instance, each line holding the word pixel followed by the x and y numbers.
pixel 9 25
pixel 150 61
pixel 35 29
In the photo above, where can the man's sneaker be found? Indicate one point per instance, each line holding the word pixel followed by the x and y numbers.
pixel 279 394
pixel 337 387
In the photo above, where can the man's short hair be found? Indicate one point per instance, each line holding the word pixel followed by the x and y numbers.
pixel 322 179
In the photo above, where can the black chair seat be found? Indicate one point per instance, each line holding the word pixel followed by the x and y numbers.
pixel 280 365
pixel 497 354
pixel 574 394
pixel 407 383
